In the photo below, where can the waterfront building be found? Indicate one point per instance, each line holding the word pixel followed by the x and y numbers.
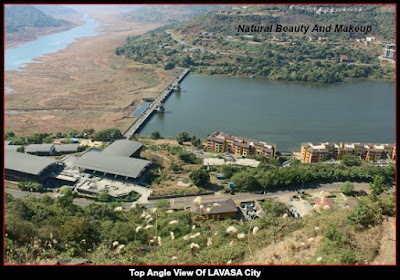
pixel 380 151
pixel 313 152
pixel 221 142
pixel 317 152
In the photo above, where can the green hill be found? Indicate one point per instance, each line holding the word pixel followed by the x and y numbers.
pixel 55 10
pixel 20 17
pixel 211 43
pixel 168 13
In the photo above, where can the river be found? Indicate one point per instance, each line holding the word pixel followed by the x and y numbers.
pixel 25 53
pixel 284 113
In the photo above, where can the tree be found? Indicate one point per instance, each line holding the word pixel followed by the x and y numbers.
pixel 134 137
pixel 274 209
pixel 244 181
pixel 175 167
pixel 9 134
pixel 30 186
pixel 88 131
pixel 104 196
pixel 66 196
pixel 21 149
pixel 48 139
pixel 182 137
pixel 77 229
pixel 74 133
pixel 187 157
pixel 107 135
pixel 228 171
pixel 155 135
pixel 365 213
pixel 378 186
pixel 195 141
pixel 351 160
pixel 200 177
pixel 169 66
pixel 347 188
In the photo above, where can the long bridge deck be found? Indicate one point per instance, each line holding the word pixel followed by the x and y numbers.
pixel 137 123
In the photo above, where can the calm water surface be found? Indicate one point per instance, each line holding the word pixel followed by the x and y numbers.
pixel 283 113
pixel 22 54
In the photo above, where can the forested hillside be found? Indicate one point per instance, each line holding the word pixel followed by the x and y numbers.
pixel 169 13
pixel 212 44
pixel 39 230
pixel 20 17
pixel 55 10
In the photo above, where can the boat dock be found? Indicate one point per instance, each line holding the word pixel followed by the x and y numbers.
pixel 155 105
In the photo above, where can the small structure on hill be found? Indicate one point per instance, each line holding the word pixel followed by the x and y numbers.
pixel 215 209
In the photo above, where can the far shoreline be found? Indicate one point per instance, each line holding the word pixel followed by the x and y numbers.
pixel 75 21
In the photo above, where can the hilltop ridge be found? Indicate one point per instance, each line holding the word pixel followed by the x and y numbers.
pixel 213 43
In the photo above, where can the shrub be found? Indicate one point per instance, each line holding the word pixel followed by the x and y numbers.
pixel 30 186
pixel 200 177
pixel 347 188
pixel 155 135
pixel 367 213
pixel 351 160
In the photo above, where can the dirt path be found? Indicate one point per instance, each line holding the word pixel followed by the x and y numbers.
pixel 387 253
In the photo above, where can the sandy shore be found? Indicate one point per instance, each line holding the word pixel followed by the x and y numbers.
pixel 85 85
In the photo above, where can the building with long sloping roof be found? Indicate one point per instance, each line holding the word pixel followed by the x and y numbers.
pixel 124 147
pixel 40 149
pixel 66 148
pixel 116 165
pixel 13 148
pixel 29 167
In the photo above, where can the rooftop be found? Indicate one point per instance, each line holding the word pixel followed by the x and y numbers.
pixel 112 164
pixel 221 206
pixel 11 147
pixel 66 148
pixel 26 163
pixel 39 148
pixel 123 147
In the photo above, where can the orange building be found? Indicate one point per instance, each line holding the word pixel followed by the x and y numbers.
pixel 221 142
pixel 316 152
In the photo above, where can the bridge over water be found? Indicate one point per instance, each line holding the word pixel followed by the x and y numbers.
pixel 155 105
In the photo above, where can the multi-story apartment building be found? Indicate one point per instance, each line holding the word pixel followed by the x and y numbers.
pixel 316 152
pixel 221 142
pixel 381 151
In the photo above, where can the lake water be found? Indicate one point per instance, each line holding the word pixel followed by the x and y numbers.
pixel 24 53
pixel 283 113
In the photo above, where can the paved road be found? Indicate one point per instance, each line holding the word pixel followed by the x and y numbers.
pixel 19 193
pixel 283 195
pixel 181 202
pixel 145 192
